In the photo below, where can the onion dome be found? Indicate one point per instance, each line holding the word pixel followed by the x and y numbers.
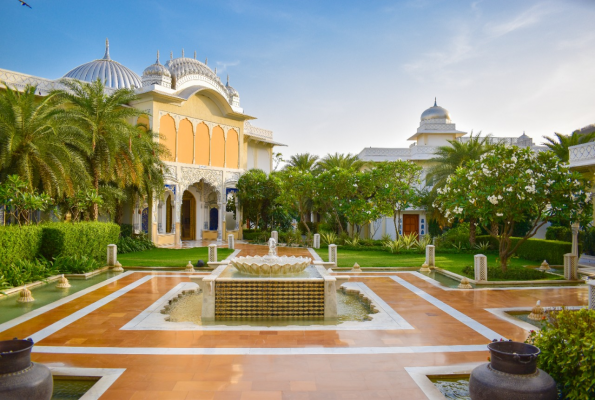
pixel 184 67
pixel 111 73
pixel 231 90
pixel 435 112
pixel 157 74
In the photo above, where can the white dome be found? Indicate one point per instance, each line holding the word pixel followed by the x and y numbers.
pixel 111 73
pixel 230 89
pixel 156 69
pixel 435 112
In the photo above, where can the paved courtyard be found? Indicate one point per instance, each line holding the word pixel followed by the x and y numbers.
pixel 450 327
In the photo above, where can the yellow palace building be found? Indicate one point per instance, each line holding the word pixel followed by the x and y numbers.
pixel 209 137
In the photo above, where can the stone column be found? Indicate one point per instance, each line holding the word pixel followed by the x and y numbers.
pixel 231 242
pixel 570 267
pixel 275 235
pixel 112 255
pixel 591 284
pixel 316 243
pixel 212 253
pixel 481 267
pixel 330 297
pixel 160 223
pixel 332 253
pixel 431 256
pixel 221 222
pixel 575 227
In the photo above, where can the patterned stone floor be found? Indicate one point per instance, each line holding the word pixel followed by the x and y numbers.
pixel 450 327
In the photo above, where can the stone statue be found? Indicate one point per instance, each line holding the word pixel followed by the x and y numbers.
pixel 272 247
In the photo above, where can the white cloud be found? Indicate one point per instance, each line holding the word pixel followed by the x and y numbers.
pixel 529 17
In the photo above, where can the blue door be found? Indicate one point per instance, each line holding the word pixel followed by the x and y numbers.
pixel 214 217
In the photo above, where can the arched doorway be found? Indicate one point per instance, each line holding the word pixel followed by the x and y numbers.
pixel 188 217
pixel 214 219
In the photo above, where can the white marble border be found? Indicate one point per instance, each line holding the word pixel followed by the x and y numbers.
pixel 420 376
pixel 503 313
pixel 257 350
pixel 315 255
pixel 107 376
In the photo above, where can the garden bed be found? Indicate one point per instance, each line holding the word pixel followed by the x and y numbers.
pixel 170 257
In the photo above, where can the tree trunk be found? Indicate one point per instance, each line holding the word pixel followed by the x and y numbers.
pixel 96 206
pixel 472 231
pixel 118 214
pixel 396 226
pixel 503 253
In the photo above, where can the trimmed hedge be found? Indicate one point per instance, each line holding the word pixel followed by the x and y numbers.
pixel 19 243
pixel 536 249
pixel 78 239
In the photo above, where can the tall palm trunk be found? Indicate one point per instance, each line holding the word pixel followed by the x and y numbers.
pixel 95 205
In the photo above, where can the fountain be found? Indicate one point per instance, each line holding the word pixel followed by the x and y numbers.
pixel 269 286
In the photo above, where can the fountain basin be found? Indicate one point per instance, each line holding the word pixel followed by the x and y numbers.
pixel 270 265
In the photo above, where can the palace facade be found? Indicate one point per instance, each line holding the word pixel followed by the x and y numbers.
pixel 209 137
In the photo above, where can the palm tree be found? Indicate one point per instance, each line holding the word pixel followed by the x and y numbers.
pixel 303 162
pixel 102 117
pixel 448 158
pixel 345 161
pixel 37 145
pixel 560 147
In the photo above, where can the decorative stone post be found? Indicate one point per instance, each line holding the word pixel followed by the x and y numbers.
pixel 575 227
pixel 112 255
pixel 212 253
pixel 231 242
pixel 591 284
pixel 481 267
pixel 332 253
pixel 275 235
pixel 316 242
pixel 570 267
pixel 431 256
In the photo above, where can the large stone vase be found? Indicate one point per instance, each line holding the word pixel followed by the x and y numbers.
pixel 511 374
pixel 21 379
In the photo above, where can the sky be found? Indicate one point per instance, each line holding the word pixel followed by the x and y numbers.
pixel 337 76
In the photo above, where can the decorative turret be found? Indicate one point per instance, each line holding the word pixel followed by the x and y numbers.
pixel 234 96
pixel 157 74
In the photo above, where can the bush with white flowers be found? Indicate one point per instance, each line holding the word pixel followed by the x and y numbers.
pixel 510 185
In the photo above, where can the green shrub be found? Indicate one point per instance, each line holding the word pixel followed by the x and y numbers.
pixel 312 225
pixel 251 234
pixel 19 243
pixel 371 242
pixel 457 237
pixel 588 241
pixel 512 274
pixel 75 264
pixel 78 239
pixel 536 249
pixel 126 230
pixel 328 238
pixel 132 244
pixel 21 272
pixel 567 344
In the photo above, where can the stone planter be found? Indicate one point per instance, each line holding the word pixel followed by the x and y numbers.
pixel 511 374
pixel 20 378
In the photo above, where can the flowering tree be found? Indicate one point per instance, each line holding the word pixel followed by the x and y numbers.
pixel 358 204
pixel 397 187
pixel 509 185
pixel 297 188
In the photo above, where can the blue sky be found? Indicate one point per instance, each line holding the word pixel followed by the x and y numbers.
pixel 330 76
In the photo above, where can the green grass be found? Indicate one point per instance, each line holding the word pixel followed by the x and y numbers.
pixel 169 257
pixel 378 258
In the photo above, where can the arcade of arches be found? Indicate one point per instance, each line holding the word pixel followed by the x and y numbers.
pixel 198 144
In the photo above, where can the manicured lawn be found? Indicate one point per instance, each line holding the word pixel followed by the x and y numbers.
pixel 169 257
pixel 451 262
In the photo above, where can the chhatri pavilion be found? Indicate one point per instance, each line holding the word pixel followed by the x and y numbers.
pixel 202 124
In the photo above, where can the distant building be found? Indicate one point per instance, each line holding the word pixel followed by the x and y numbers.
pixel 203 125
pixel 435 129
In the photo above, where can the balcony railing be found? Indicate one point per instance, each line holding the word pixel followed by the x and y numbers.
pixel 582 155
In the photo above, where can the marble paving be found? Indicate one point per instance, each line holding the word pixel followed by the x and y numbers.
pixel 435 328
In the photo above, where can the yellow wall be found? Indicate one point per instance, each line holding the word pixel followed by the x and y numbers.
pixel 185 142
pixel 167 129
pixel 217 147
pixel 231 149
pixel 202 144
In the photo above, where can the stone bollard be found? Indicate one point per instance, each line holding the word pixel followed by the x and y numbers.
pixel 536 312
pixel 316 243
pixel 425 268
pixel 570 267
pixel 231 244
pixel 212 253
pixel 25 296
pixel 356 268
pixel 332 253
pixel 481 267
pixel 431 256
pixel 63 283
pixel 465 284
pixel 189 267
pixel 275 235
pixel 591 284
pixel 112 255
pixel 118 267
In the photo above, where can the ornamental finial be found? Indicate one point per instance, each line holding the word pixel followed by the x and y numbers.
pixel 182 53
pixel 195 54
pixel 227 79
pixel 106 55
pixel 435 105
pixel 215 70
pixel 157 62
pixel 207 61
pixel 171 55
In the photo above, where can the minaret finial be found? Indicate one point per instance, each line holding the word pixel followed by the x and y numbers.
pixel 227 79
pixel 435 105
pixel 171 55
pixel 195 54
pixel 106 56
pixel 207 61
pixel 215 70
pixel 182 53
pixel 157 62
